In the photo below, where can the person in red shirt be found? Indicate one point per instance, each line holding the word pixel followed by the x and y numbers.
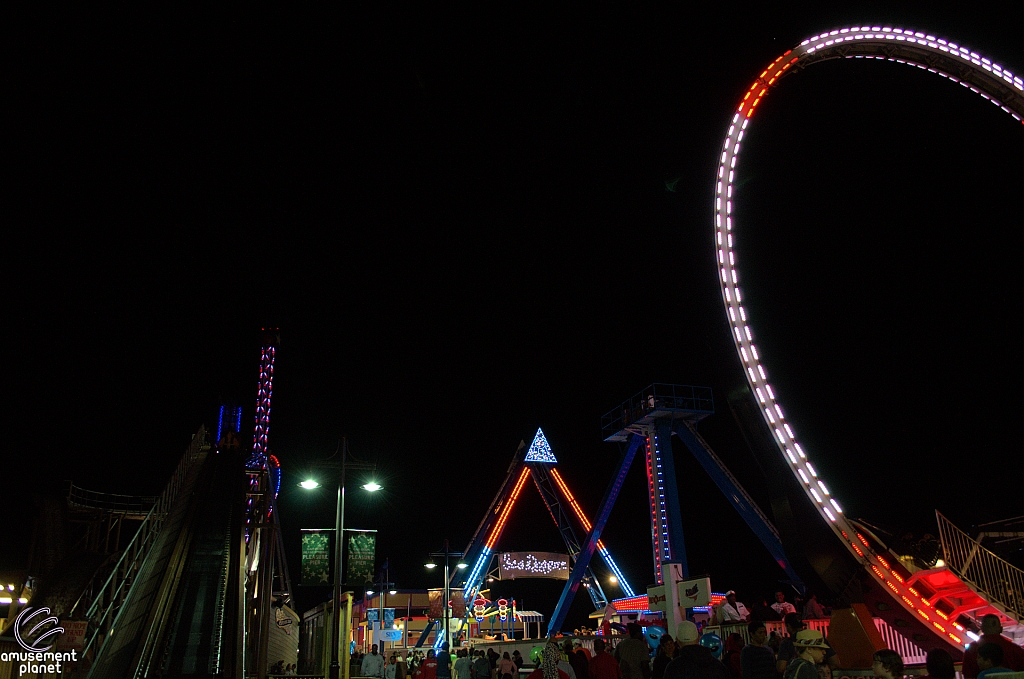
pixel 603 665
pixel 428 668
pixel 991 632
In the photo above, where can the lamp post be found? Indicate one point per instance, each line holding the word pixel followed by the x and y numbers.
pixel 339 536
pixel 447 554
pixel 382 586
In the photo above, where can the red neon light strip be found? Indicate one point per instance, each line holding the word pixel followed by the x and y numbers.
pixel 587 526
pixel 508 508
pixel 655 523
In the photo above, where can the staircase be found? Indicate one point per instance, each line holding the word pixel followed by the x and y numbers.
pixel 994 579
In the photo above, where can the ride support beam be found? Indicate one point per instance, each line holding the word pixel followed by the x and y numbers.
pixel 736 495
pixel 590 545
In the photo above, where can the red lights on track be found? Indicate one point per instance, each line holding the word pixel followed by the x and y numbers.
pixel 503 517
pixel 923 614
pixel 861 538
pixel 632 604
pixel 572 503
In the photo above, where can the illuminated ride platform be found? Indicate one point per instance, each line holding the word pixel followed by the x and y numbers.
pixel 537 463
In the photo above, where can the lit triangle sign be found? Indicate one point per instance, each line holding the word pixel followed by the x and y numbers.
pixel 540 450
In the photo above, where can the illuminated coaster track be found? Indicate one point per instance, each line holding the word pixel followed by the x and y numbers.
pixel 927 52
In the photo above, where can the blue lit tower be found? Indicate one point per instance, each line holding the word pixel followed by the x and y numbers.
pixel 652 417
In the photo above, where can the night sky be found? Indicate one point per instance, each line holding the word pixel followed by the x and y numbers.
pixel 471 225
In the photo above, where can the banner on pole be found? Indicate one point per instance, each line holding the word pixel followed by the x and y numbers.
pixel 458 602
pixel 316 557
pixel 361 548
pixel 436 598
pixel 372 614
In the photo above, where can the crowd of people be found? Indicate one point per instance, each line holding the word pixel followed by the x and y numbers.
pixel 467 663
pixel 282 668
pixel 803 654
pixel 732 610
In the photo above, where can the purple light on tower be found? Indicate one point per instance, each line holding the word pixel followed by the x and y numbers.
pixel 258 459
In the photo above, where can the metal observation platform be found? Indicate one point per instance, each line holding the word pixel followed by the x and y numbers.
pixel 657 402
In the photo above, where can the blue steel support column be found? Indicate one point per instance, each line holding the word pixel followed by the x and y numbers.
pixel 666 461
pixel 590 546
pixel 736 496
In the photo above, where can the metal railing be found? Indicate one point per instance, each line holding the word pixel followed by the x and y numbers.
pixel 658 396
pixel 996 580
pixel 109 597
pixel 109 502
pixel 911 653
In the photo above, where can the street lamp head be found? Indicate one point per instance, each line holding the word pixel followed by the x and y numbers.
pixel 462 565
pixel 309 484
pixel 430 564
pixel 392 592
pixel 369 592
pixel 372 486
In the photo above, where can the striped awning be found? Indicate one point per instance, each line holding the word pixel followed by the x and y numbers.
pixel 529 616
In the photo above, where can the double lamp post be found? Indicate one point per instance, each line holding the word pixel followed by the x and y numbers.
pixel 339 535
pixel 447 554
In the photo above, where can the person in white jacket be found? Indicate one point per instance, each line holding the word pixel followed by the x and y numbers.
pixel 373 664
pixel 732 610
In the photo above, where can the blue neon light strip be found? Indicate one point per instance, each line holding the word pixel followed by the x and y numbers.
pixel 618 573
pixel 220 422
pixel 471 582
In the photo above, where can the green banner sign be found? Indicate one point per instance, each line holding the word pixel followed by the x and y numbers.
pixel 316 558
pixel 361 547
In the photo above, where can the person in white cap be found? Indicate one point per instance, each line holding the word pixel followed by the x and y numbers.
pixel 692 660
pixel 811 647
pixel 732 610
